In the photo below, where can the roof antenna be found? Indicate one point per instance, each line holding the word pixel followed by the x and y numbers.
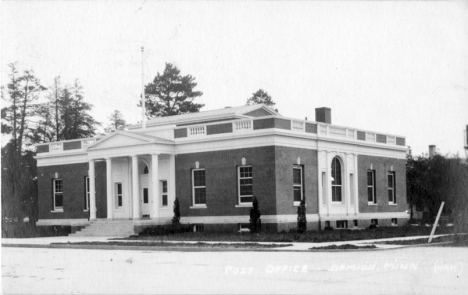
pixel 143 102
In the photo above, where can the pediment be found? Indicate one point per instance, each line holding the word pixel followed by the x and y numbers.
pixel 261 112
pixel 122 139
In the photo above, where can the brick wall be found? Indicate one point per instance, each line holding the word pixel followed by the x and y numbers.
pixel 382 167
pixel 221 180
pixel 286 158
pixel 73 179
pixel 272 180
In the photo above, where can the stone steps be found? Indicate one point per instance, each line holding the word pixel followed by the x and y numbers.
pixel 107 228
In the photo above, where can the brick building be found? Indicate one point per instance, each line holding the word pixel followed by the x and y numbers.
pixel 214 162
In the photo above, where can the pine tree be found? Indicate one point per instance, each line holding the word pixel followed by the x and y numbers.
pixel 176 218
pixel 255 221
pixel 260 97
pixel 171 94
pixel 17 116
pixel 117 122
pixel 301 218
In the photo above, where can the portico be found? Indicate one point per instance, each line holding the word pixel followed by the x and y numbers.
pixel 140 175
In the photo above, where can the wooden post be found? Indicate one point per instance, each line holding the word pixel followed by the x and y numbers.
pixel 436 222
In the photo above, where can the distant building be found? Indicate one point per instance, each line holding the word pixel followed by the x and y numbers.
pixel 215 162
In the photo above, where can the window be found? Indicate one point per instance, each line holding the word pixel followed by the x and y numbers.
pixel 245 184
pixel 391 188
pixel 198 187
pixel 86 200
pixel 145 170
pixel 336 180
pixel 341 224
pixel 355 223
pixel 58 194
pixel 163 186
pixel 198 228
pixel 375 221
pixel 118 195
pixel 145 195
pixel 394 221
pixel 243 227
pixel 371 187
pixel 298 188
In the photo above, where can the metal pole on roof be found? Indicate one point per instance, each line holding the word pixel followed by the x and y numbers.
pixel 143 102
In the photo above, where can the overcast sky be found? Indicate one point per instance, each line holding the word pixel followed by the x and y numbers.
pixel 396 67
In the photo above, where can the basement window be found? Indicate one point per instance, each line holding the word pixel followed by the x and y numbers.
pixel 341 224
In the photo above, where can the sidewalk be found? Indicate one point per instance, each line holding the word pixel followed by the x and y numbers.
pixel 47 241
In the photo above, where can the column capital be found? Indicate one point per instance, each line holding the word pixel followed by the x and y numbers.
pixel 155 154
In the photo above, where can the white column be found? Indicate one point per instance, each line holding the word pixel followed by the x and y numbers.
pixel 356 196
pixel 155 185
pixel 92 191
pixel 135 188
pixel 328 181
pixel 319 176
pixel 346 183
pixel 171 182
pixel 110 203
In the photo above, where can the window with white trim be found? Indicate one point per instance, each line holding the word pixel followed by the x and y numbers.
pixel 391 187
pixel 118 195
pixel 371 197
pixel 163 188
pixel 245 184
pixel 336 180
pixel 87 194
pixel 341 224
pixel 298 187
pixel 198 187
pixel 57 194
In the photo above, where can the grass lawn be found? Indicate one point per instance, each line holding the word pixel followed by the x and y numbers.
pixel 166 244
pixel 344 247
pixel 309 236
pixel 459 241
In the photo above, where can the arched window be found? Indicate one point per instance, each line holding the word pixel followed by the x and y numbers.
pixel 146 170
pixel 336 180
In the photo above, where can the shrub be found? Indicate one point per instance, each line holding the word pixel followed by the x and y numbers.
pixel 301 218
pixel 166 229
pixel 255 221
pixel 176 218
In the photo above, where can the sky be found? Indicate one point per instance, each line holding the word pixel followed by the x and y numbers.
pixel 396 67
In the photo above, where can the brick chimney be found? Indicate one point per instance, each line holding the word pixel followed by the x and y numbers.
pixel 323 115
pixel 432 151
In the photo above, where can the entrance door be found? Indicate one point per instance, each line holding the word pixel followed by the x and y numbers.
pixel 120 200
pixel 144 196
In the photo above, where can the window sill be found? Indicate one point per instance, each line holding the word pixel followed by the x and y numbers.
pixel 86 210
pixel 198 207
pixel 337 204
pixel 371 204
pixel 164 207
pixel 392 204
pixel 249 205
pixel 56 211
pixel 297 204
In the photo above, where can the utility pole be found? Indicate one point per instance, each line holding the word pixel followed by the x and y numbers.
pixel 143 102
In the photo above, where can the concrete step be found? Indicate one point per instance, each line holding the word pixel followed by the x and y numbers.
pixel 107 228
